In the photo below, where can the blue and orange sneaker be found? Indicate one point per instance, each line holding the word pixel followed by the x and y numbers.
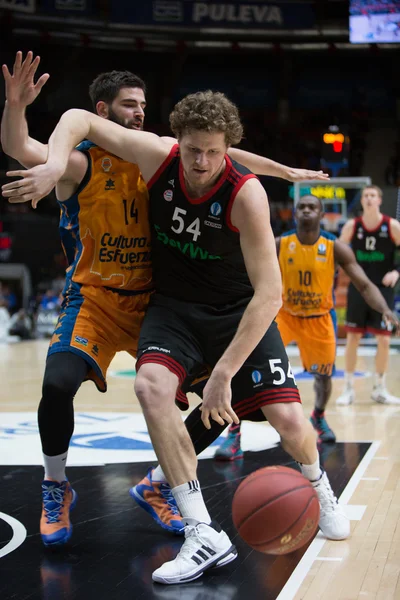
pixel 325 433
pixel 58 500
pixel 230 449
pixel 156 498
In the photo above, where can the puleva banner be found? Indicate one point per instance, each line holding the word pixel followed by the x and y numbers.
pixel 214 14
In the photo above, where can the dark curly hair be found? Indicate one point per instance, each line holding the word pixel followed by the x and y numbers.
pixel 207 111
pixel 106 86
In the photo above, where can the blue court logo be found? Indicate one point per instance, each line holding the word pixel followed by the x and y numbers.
pixel 256 376
pixel 216 209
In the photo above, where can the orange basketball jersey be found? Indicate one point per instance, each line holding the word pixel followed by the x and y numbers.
pixel 307 274
pixel 104 226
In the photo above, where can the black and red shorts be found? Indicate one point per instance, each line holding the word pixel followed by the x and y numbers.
pixel 361 318
pixel 185 337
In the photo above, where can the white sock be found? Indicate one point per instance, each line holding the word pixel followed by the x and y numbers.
pixel 311 472
pixel 54 466
pixel 158 475
pixel 190 502
pixel 379 380
pixel 348 381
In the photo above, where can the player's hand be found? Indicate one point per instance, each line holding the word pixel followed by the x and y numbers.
pixel 391 321
pixel 391 278
pixel 217 396
pixel 306 174
pixel 35 184
pixel 21 89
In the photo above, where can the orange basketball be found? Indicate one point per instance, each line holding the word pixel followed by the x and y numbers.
pixel 275 510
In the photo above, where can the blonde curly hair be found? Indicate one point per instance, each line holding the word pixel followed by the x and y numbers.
pixel 207 111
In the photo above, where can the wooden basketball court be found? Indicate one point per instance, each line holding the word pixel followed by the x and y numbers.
pixel 115 545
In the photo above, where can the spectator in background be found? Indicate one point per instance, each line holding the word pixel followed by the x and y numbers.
pixel 50 301
pixel 20 325
pixel 9 298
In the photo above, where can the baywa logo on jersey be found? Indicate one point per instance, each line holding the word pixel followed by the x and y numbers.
pixel 321 249
pixel 292 246
pixel 360 233
pixel 257 377
pixel 168 195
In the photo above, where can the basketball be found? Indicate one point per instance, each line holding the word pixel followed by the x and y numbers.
pixel 275 510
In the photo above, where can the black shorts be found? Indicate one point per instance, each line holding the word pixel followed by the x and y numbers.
pixel 185 337
pixel 362 318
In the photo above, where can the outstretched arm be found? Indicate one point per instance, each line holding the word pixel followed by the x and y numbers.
pixel 21 91
pixel 345 257
pixel 265 166
pixel 147 150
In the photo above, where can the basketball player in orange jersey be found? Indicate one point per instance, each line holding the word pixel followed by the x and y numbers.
pixel 308 258
pixel 374 238
pixel 218 289
pixel 105 233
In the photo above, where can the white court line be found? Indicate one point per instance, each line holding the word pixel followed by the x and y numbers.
pixel 354 512
pixel 299 574
pixel 329 558
pixel 19 534
pixel 359 472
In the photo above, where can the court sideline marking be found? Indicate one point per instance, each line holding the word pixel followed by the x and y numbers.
pixel 299 574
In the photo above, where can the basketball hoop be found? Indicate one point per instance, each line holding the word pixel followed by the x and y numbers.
pixel 332 221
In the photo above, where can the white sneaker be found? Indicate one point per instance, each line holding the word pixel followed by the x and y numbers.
pixel 381 396
pixel 346 398
pixel 204 547
pixel 332 521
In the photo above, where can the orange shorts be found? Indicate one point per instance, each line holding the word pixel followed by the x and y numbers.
pixel 95 323
pixel 315 338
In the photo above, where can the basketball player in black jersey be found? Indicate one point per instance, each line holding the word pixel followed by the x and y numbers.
pixel 120 97
pixel 374 238
pixel 218 289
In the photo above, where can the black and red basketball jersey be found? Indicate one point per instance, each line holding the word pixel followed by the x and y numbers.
pixel 195 248
pixel 374 249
